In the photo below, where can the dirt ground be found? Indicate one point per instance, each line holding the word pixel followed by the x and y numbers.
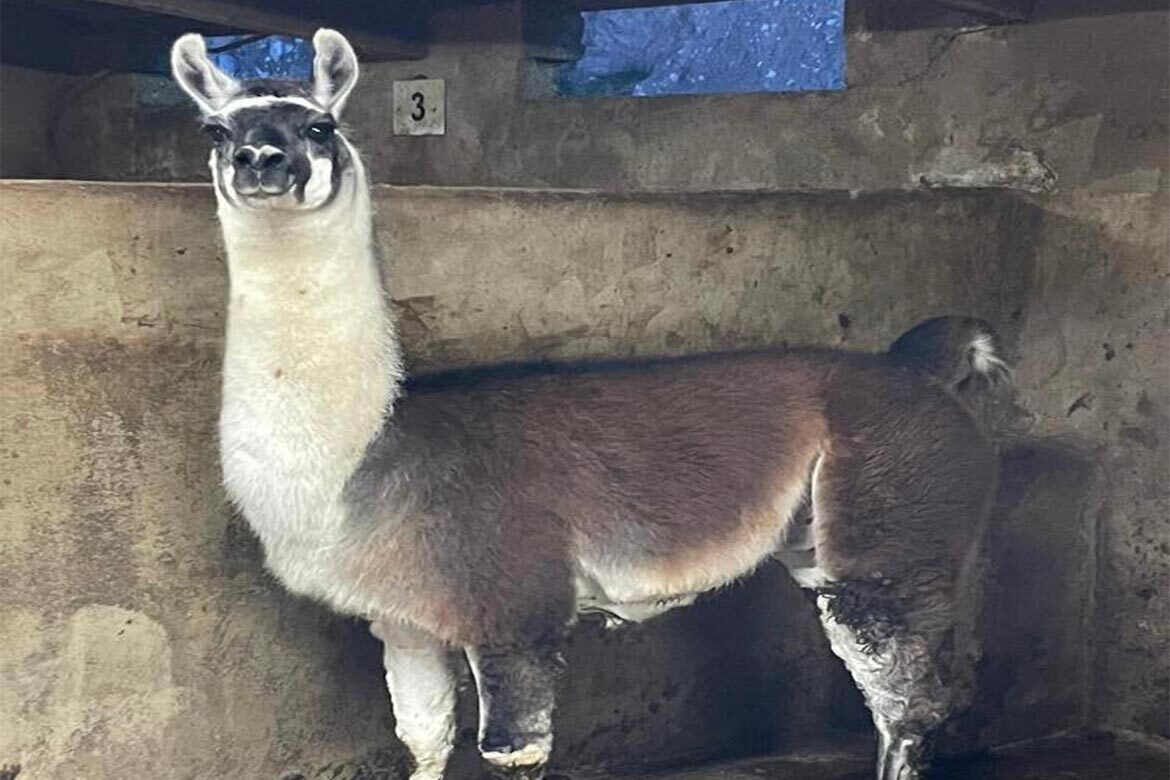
pixel 1085 758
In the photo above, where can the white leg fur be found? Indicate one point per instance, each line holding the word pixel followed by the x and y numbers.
pixel 422 693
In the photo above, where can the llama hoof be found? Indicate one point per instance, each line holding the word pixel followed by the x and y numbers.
pixel 519 773
pixel 427 773
pixel 429 769
pixel 522 763
pixel 901 760
pixel 507 758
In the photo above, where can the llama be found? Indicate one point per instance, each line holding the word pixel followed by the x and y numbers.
pixel 481 511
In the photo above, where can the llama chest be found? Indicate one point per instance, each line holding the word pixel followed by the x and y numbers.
pixel 287 493
pixel 297 415
pixel 301 522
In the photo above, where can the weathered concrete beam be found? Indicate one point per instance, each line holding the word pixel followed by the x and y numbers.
pixel 248 18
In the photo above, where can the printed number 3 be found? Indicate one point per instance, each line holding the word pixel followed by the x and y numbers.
pixel 420 110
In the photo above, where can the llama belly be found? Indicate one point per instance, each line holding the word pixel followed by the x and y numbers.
pixel 630 576
pixel 591 600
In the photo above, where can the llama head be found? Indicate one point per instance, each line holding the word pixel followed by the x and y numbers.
pixel 275 143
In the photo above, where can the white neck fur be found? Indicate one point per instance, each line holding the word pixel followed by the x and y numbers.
pixel 311 365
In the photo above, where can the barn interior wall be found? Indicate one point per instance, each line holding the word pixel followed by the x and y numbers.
pixel 1018 174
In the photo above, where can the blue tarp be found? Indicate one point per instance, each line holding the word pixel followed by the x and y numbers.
pixel 272 57
pixel 739 46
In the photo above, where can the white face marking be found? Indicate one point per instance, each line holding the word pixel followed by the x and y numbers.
pixel 320 184
pixel 225 193
pixel 314 192
pixel 264 101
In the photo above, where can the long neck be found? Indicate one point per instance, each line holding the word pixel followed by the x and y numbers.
pixel 312 363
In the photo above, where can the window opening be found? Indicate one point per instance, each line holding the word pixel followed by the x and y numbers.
pixel 703 48
pixel 262 56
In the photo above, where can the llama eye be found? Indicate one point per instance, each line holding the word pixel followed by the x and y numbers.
pixel 217 133
pixel 320 131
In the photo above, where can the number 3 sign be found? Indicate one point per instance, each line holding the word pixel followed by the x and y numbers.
pixel 420 107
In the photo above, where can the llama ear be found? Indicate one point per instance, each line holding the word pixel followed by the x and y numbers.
pixel 335 70
pixel 207 85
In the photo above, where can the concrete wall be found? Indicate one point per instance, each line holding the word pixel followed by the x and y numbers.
pixel 112 320
pixel 143 637
pixel 1073 103
pixel 1013 106
pixel 1096 375
pixel 31 102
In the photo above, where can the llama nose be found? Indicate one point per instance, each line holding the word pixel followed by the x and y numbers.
pixel 263 158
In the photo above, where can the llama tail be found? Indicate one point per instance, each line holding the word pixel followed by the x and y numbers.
pixel 956 351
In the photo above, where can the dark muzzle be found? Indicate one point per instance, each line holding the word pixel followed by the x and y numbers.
pixel 261 170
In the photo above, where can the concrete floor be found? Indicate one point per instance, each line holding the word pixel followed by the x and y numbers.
pixel 1085 758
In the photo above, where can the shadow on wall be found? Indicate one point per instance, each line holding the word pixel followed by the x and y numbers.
pixel 1033 672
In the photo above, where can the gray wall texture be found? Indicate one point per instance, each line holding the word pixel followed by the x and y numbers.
pixel 1082 100
pixel 142 637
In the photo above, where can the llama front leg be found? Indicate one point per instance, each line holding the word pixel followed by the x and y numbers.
pixel 517 693
pixel 422 694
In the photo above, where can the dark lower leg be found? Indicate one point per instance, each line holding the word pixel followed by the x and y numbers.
pixel 517 693
pixel 902 671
